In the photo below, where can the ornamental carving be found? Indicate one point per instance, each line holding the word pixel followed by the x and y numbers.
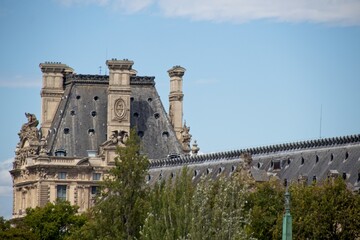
pixel 185 138
pixel 120 109
pixel 29 141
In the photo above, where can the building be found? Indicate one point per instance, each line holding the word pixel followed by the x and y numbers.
pixel 84 118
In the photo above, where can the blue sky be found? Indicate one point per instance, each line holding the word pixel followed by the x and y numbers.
pixel 258 71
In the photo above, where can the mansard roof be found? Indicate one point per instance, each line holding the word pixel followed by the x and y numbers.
pixel 80 123
pixel 312 160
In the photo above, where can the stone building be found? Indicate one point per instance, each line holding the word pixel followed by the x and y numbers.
pixel 84 118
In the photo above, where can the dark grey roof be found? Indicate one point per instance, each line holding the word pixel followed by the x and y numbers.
pixel 151 121
pixel 314 158
pixel 81 118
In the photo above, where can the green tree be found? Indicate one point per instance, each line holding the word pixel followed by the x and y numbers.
pixel 15 229
pixel 121 208
pixel 325 211
pixel 219 208
pixel 53 221
pixel 170 214
pixel 211 209
pixel 267 206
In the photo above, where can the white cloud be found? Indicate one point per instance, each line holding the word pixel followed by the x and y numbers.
pixel 5 178
pixel 19 82
pixel 344 12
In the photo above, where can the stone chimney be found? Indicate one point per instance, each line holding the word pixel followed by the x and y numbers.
pixel 119 91
pixel 51 92
pixel 176 99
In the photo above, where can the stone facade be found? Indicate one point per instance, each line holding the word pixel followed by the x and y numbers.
pixel 85 117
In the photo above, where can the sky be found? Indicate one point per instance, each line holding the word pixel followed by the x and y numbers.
pixel 258 72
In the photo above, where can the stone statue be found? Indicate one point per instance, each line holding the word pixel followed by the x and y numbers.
pixel 186 138
pixel 28 130
pixel 29 143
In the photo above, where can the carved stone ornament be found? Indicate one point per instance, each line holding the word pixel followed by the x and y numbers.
pixel 186 138
pixel 120 109
pixel 29 141
pixel 116 138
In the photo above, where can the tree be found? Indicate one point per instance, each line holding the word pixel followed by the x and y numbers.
pixel 325 211
pixel 121 208
pixel 170 213
pixel 267 205
pixel 212 209
pixel 53 221
pixel 16 233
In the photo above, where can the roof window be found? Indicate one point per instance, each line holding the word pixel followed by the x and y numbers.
pixel 140 134
pixel 131 99
pixel 93 113
pixel 346 155
pixel 66 130
pixel 317 159
pixel 149 99
pixel 96 98
pixel 78 97
pixel 136 114
pixel 60 153
pixel 156 115
pixel 165 134
pixel 331 157
pixel 72 112
pixel 302 161
pixel 91 131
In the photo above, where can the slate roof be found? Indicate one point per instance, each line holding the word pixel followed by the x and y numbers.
pixel 290 161
pixel 80 121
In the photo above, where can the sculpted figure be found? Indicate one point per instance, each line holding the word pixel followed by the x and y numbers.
pixel 186 138
pixel 32 121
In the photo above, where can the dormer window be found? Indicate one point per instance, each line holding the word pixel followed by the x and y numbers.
pixel 60 153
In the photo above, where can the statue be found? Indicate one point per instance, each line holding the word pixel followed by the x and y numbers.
pixel 186 138
pixel 29 143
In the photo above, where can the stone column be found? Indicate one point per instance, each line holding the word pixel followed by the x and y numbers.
pixel 51 92
pixel 119 91
pixel 176 99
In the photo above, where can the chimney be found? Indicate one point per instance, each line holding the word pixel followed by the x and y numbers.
pixel 119 91
pixel 176 99
pixel 51 92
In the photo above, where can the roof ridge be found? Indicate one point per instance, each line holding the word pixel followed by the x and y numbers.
pixel 231 154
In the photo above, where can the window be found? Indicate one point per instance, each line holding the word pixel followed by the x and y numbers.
pixel 276 165
pixel 60 153
pixel 91 131
pixel 94 190
pixel 61 192
pixel 66 130
pixel 62 175
pixel 140 134
pixel 96 176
